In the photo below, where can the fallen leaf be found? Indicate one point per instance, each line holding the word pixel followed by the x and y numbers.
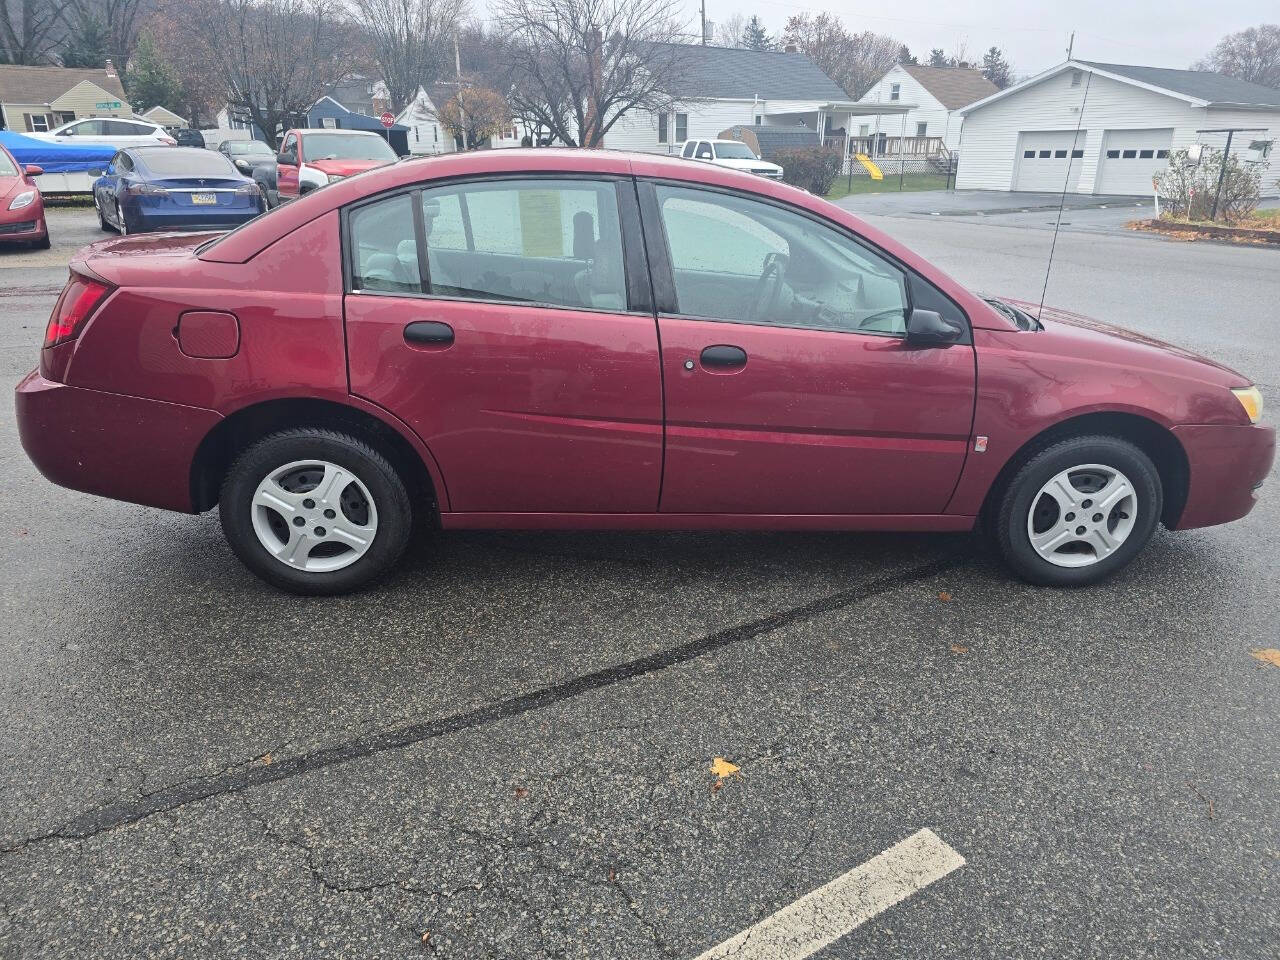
pixel 266 759
pixel 521 792
pixel 426 935
pixel 721 768
pixel 715 787
pixel 1268 656
pixel 613 876
pixel 958 648
pixel 944 596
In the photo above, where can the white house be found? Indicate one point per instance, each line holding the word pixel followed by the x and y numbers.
pixel 426 134
pixel 936 96
pixel 723 87
pixel 1107 128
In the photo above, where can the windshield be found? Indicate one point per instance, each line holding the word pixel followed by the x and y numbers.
pixel 734 151
pixel 187 162
pixel 250 148
pixel 7 169
pixel 339 146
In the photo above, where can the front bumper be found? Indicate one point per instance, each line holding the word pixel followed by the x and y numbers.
pixel 1228 465
pixel 112 445
pixel 23 226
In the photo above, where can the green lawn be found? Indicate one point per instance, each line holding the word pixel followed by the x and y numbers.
pixel 864 184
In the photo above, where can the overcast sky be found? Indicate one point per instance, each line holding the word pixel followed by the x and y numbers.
pixel 1033 35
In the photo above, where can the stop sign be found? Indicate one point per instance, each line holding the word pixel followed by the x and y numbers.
pixel 388 119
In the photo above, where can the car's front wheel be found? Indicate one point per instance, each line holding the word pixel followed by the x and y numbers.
pixel 1078 510
pixel 315 511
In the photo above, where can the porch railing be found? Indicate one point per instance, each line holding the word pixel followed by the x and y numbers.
pixel 884 145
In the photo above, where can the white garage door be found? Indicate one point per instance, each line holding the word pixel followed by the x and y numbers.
pixel 1130 158
pixel 1046 159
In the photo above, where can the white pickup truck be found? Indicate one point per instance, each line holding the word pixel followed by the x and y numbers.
pixel 732 154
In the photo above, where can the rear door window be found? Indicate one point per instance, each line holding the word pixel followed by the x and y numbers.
pixel 385 247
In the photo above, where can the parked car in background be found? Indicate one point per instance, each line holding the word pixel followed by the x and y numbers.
pixel 247 154
pixel 21 206
pixel 186 137
pixel 113 131
pixel 730 154
pixel 173 188
pixel 312 158
pixel 584 339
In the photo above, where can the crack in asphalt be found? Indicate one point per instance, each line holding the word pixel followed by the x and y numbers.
pixel 255 774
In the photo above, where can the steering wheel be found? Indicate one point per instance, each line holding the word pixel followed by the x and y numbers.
pixel 768 288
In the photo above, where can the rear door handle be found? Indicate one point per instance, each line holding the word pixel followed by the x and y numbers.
pixel 724 356
pixel 429 333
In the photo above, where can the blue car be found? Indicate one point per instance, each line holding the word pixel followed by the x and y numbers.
pixel 173 188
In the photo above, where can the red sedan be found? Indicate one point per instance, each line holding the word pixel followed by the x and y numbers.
pixel 547 339
pixel 21 206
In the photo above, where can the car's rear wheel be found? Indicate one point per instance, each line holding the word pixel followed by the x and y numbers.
pixel 1078 510
pixel 314 511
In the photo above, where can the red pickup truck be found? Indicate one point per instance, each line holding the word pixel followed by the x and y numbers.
pixel 310 158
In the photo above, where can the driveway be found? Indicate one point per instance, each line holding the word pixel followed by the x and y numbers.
pixel 517 747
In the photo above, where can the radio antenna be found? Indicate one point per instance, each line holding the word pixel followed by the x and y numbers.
pixel 1066 183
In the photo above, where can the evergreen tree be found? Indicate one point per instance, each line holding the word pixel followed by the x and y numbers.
pixel 906 56
pixel 996 68
pixel 755 37
pixel 937 57
pixel 152 81
pixel 86 45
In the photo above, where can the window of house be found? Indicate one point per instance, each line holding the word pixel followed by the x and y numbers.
pixel 895 91
pixel 922 129
pixel 729 254
pixel 1129 154
pixel 63 116
pixel 38 122
pixel 1162 154
pixel 1060 154
pixel 759 120
pixel 1077 154
pixel 1146 154
pixel 662 128
pixel 864 130
pixel 329 123
pixel 1028 154
pixel 1044 154
pixel 1113 154
pixel 1075 77
pixel 682 127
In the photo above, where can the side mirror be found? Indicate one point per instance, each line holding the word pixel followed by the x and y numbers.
pixel 31 170
pixel 288 159
pixel 925 328
pixel 97 173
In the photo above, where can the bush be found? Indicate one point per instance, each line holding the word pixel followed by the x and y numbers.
pixel 1187 187
pixel 811 168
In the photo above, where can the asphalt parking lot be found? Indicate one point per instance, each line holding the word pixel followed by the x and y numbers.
pixel 507 750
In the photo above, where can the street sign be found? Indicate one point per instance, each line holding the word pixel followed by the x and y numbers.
pixel 388 119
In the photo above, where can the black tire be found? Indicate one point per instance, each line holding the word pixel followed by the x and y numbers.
pixel 42 243
pixel 1015 504
pixel 385 487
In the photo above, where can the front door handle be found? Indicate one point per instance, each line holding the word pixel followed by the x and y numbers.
pixel 429 333
pixel 724 356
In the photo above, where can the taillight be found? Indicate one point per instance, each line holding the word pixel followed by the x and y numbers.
pixel 79 299
pixel 140 189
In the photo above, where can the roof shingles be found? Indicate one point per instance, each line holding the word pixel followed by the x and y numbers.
pixel 953 87
pixel 1199 84
pixel 726 73
pixel 45 84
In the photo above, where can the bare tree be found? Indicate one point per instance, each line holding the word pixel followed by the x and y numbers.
pixel 728 32
pixel 853 60
pixel 474 114
pixel 120 22
pixel 408 40
pixel 30 30
pixel 275 58
pixel 1252 55
pixel 576 66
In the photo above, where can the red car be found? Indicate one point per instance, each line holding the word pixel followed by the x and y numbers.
pixel 583 339
pixel 313 158
pixel 21 206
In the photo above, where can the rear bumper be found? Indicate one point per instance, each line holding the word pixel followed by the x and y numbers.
pixel 112 445
pixel 189 219
pixel 1228 465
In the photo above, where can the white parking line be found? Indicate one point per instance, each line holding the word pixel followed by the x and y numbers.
pixel 822 917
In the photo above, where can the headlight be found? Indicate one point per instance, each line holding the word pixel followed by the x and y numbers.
pixel 1251 399
pixel 334 178
pixel 23 200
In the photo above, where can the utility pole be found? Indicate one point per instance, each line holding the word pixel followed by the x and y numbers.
pixel 1071 44
pixel 704 22
pixel 1226 157
pixel 462 113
